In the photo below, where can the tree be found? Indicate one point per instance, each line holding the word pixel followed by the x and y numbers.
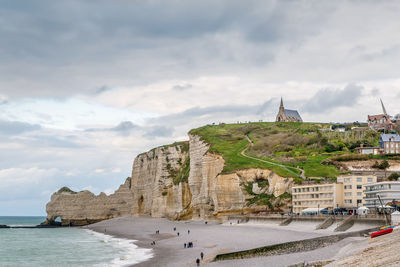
pixel 394 176
pixel 384 165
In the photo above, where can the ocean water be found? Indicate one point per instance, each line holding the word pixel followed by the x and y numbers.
pixel 64 246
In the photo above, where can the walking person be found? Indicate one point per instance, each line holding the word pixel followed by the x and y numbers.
pixel 198 262
pixel 188 231
pixel 202 255
pixel 184 245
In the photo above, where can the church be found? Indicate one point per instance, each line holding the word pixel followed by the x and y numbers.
pixel 287 115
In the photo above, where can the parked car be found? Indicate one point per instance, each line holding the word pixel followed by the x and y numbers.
pixel 324 211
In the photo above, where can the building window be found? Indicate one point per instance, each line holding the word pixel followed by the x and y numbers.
pixel 347 180
pixel 369 180
pixel 359 194
pixel 359 201
pixel 359 179
pixel 347 187
pixel 348 201
pixel 359 186
pixel 347 194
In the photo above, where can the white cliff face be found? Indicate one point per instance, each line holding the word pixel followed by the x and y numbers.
pixel 204 168
pixel 155 193
pixel 214 193
pixel 85 207
pixel 202 192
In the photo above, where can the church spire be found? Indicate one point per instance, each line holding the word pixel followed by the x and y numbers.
pixel 383 107
pixel 281 106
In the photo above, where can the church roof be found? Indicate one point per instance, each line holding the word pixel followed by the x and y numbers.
pixel 292 113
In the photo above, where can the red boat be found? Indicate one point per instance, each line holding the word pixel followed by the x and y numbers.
pixel 382 232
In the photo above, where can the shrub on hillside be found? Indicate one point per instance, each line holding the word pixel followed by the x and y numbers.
pixel 66 189
pixel 382 166
pixel 394 176
pixel 350 157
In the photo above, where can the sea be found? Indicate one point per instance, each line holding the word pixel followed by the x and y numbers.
pixel 69 246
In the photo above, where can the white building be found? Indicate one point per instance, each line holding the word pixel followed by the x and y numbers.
pixel 388 191
pixel 322 196
pixel 353 188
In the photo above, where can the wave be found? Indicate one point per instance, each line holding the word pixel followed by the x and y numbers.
pixel 130 253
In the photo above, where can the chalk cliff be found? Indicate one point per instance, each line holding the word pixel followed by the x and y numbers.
pixel 179 181
pixel 84 207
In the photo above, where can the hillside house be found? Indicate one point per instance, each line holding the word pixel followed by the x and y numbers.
pixel 390 143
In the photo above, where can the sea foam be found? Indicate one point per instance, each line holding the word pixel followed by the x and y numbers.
pixel 130 253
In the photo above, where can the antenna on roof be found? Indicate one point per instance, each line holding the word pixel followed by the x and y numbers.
pixel 383 107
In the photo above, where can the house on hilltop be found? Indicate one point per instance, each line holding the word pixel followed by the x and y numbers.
pixel 390 143
pixel 380 122
pixel 287 115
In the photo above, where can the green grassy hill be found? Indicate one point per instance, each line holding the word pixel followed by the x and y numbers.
pixel 284 147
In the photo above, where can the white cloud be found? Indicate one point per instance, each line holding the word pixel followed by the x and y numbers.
pixel 21 177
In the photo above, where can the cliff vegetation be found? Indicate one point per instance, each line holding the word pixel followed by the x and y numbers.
pixel 285 148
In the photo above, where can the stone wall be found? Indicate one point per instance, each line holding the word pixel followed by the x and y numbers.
pixel 290 247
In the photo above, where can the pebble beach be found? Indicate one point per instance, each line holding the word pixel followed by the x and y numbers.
pixel 213 238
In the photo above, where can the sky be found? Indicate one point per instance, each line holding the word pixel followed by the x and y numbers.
pixel 85 86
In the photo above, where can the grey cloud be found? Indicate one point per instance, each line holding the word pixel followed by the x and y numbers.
pixel 158 131
pixel 375 92
pixel 54 141
pixel 3 100
pixel 136 42
pixel 124 126
pixel 383 53
pixel 328 99
pixel 182 87
pixel 17 127
pixel 103 89
pixel 209 114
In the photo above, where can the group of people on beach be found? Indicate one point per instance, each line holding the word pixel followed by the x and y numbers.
pixel 188 245
pixel 198 260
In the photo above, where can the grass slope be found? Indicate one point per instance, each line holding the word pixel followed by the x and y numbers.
pixel 291 144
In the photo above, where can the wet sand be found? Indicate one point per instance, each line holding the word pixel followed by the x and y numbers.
pixel 214 238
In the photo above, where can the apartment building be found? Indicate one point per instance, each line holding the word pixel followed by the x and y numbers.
pixel 353 188
pixel 387 191
pixel 322 195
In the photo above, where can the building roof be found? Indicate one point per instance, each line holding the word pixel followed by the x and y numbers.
pixel 377 117
pixel 292 113
pixel 387 137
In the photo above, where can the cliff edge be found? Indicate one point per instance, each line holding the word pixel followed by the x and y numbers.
pixel 179 181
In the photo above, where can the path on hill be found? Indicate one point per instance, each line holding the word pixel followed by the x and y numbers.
pixel 243 153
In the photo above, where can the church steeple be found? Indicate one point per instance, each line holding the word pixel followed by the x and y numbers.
pixel 383 107
pixel 281 106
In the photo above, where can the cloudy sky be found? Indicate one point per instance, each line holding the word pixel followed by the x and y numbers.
pixel 87 85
